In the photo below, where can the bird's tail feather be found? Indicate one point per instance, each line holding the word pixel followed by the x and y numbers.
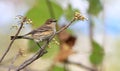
pixel 17 37
pixel 21 37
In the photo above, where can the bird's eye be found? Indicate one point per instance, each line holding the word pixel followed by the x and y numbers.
pixel 50 21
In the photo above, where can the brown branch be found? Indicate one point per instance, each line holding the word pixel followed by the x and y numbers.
pixel 41 51
pixel 91 34
pixel 7 50
pixel 12 62
pixel 65 27
pixel 104 33
pixel 83 66
pixel 33 58
pixel 66 65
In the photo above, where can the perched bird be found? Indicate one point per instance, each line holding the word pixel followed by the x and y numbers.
pixel 42 33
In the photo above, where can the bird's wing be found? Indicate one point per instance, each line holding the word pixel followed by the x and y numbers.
pixel 44 28
pixel 41 29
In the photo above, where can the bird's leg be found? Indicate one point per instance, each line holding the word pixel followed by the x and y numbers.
pixel 45 51
pixel 38 44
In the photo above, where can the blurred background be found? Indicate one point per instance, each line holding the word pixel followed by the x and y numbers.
pixel 85 45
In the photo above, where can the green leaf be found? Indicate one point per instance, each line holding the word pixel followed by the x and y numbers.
pixel 32 46
pixel 57 68
pixel 94 7
pixel 97 55
pixel 40 12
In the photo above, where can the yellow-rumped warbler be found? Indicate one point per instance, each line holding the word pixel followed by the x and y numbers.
pixel 42 33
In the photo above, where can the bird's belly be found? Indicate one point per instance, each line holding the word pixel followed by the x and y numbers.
pixel 42 37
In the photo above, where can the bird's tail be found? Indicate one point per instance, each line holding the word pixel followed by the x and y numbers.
pixel 17 37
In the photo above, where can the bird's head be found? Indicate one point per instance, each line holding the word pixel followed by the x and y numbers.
pixel 51 21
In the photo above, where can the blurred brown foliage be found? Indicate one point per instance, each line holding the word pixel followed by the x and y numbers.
pixel 67 42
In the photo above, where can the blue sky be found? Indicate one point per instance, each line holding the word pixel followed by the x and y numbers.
pixel 112 16
pixel 112 26
pixel 112 19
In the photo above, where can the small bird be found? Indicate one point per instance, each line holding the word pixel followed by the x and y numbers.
pixel 42 33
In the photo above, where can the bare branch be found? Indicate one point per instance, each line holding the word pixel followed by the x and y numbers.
pixel 20 53
pixel 41 51
pixel 12 62
pixel 33 58
pixel 83 66
pixel 65 27
pixel 7 50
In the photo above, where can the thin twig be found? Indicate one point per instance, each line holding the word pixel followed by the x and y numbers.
pixel 91 38
pixel 104 33
pixel 83 66
pixel 12 62
pixel 62 29
pixel 66 65
pixel 91 31
pixel 7 50
pixel 41 51
pixel 33 58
